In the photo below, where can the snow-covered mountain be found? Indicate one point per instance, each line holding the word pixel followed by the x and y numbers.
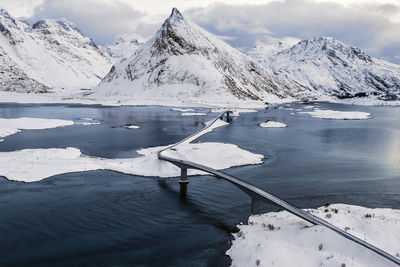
pixel 325 66
pixel 263 53
pixel 50 55
pixel 183 62
pixel 122 49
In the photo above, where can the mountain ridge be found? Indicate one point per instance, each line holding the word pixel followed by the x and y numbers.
pixel 51 54
pixel 194 64
pixel 327 66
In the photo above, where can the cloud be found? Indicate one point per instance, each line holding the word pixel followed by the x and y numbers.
pixel 103 20
pixel 368 26
pixel 20 8
pixel 372 25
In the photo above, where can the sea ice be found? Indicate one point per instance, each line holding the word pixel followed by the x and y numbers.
pixel 272 124
pixel 11 126
pixel 338 115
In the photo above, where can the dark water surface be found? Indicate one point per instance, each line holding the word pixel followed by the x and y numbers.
pixel 103 218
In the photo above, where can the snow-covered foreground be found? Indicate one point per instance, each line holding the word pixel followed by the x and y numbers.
pixel 338 115
pixel 273 124
pixel 12 126
pixel 31 165
pixel 282 239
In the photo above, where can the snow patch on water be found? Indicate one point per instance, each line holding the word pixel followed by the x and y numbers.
pixel 132 126
pixel 12 126
pixel 273 124
pixel 338 115
pixel 183 109
pixel 193 114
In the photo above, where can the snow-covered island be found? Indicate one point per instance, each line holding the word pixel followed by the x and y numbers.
pixel 282 239
pixel 32 165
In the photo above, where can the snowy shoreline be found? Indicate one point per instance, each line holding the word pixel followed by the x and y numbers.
pixel 282 239
pixel 27 98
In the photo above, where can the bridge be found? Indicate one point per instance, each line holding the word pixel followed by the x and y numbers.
pixel 254 191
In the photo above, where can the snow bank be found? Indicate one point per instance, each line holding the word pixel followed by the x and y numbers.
pixel 338 115
pixel 193 114
pixel 272 124
pixel 31 165
pixel 282 239
pixel 12 126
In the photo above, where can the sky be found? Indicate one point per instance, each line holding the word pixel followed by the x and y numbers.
pixel 372 25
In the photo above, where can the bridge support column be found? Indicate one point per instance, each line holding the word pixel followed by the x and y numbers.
pixel 227 117
pixel 183 182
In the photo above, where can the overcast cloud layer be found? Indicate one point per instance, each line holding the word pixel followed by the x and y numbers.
pixel 371 25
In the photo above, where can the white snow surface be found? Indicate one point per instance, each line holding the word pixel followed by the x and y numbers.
pixel 184 63
pixel 282 239
pixel 31 165
pixel 273 124
pixel 49 56
pixel 193 114
pixel 132 126
pixel 327 68
pixel 122 49
pixel 12 126
pixel 338 115
pixel 183 109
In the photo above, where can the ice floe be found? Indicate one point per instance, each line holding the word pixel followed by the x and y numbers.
pixel 193 114
pixel 12 126
pixel 183 109
pixel 282 239
pixel 338 115
pixel 273 124
pixel 132 126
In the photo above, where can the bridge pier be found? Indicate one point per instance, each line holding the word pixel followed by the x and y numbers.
pixel 183 182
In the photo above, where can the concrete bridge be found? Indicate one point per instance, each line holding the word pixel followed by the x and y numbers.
pixel 254 191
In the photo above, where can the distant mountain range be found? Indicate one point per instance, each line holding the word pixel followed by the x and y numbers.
pixel 325 66
pixel 184 63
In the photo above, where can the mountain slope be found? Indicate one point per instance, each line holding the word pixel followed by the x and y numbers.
pixel 52 54
pixel 122 49
pixel 325 66
pixel 183 62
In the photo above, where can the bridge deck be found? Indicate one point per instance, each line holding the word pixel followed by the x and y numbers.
pixel 247 187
